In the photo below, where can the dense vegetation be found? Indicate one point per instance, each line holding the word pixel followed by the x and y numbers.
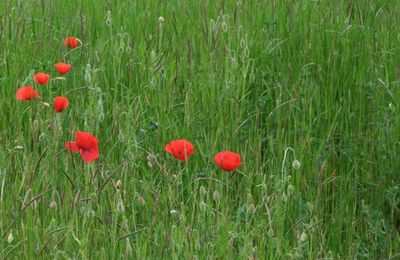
pixel 307 92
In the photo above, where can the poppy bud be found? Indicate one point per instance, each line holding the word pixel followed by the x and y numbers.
pixel 202 206
pixel 151 159
pixel 45 104
pixel 128 249
pixel 118 185
pixel 60 103
pixel 10 237
pixel 90 213
pixel 141 200
pixel 224 26
pixel 41 78
pixel 120 206
pixel 53 205
pixel 161 19
pixel 251 208
pixel 216 196
pixel 203 191
pixel 271 232
pixel 71 42
pixel 296 164
pixel 108 18
pixel 290 189
pixel 173 212
pixel 303 237
pixel 63 68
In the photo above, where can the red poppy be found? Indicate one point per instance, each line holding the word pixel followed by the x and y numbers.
pixel 227 161
pixel 180 149
pixel 41 78
pixel 26 93
pixel 71 42
pixel 63 68
pixel 60 103
pixel 86 144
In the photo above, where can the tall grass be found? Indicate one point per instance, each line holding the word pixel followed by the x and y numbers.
pixel 276 81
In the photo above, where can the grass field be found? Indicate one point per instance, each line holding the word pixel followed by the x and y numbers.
pixel 275 81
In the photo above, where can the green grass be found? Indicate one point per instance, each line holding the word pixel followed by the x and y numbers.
pixel 254 77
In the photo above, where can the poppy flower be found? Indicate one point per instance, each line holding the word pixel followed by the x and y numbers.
pixel 41 78
pixel 227 161
pixel 63 68
pixel 71 42
pixel 26 93
pixel 86 144
pixel 60 103
pixel 180 149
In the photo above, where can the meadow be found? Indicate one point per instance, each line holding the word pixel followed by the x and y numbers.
pixel 307 92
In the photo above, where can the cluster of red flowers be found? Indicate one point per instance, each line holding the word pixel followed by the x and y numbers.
pixel 182 149
pixel 87 145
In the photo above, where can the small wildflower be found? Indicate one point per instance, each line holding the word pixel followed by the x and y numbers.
pixel 151 159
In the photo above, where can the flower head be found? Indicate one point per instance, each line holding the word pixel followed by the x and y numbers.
pixel 60 103
pixel 71 42
pixel 41 78
pixel 180 149
pixel 86 144
pixel 26 93
pixel 227 161
pixel 63 68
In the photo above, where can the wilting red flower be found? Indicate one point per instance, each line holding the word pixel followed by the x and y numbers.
pixel 71 42
pixel 63 68
pixel 86 144
pixel 227 161
pixel 26 93
pixel 180 149
pixel 41 78
pixel 60 103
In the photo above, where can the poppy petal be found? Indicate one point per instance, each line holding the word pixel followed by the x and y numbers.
pixel 89 155
pixel 72 147
pixel 168 148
